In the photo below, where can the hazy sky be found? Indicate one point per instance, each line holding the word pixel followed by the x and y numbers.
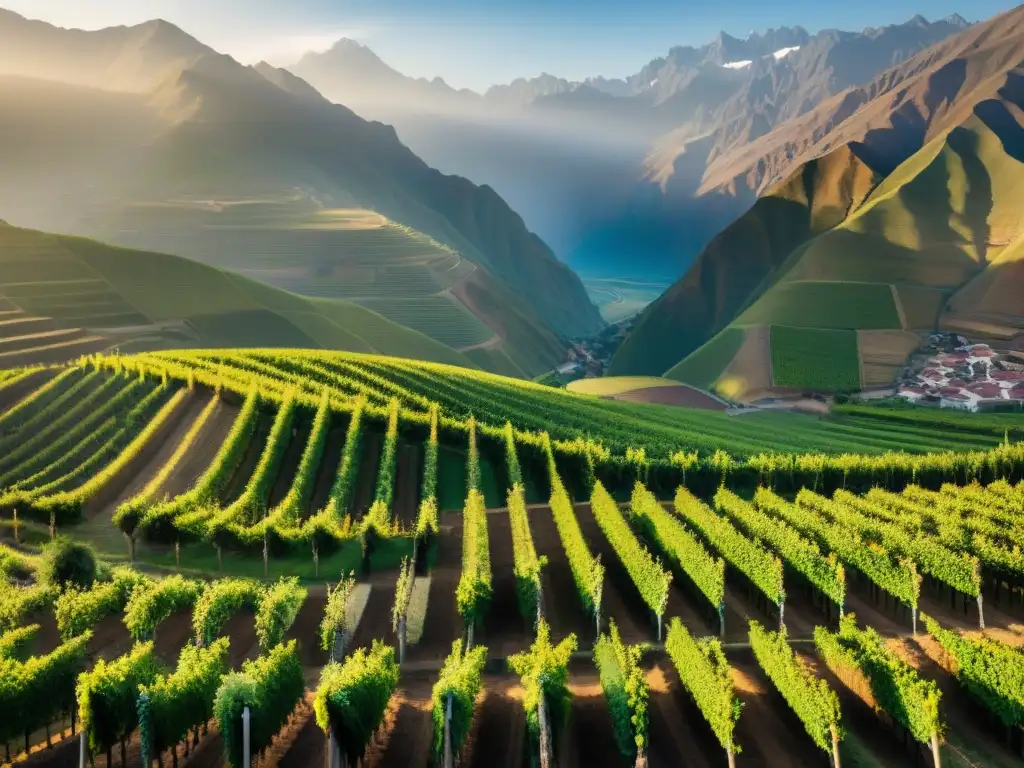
pixel 475 43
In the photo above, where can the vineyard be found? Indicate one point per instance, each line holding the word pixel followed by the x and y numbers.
pixel 306 556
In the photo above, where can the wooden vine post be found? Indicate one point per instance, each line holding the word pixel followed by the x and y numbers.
pixel 246 746
pixel 545 731
pixel 835 746
pixel 401 639
pixel 449 759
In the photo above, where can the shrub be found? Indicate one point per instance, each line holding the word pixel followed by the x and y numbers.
pixel 67 563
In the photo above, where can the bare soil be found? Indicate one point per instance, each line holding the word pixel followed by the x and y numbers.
pixel 327 472
pixel 290 462
pixel 375 623
pixel 563 607
pixel 138 473
pixel 769 733
pixel 407 484
pixel 306 630
pixel 15 393
pixel 309 747
pixel 500 732
pixel 407 742
pixel 200 455
pixel 505 631
pixel 443 625
pixel 366 480
pixel 589 737
pixel 253 451
pixel 678 733
pixel 241 629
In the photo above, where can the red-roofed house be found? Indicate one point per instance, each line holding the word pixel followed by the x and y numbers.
pixel 1007 375
pixel 913 394
pixel 957 383
pixel 950 391
pixel 987 390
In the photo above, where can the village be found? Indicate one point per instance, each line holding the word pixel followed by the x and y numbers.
pixel 951 372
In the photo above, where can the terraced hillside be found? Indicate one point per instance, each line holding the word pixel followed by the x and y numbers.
pixel 250 168
pixel 66 297
pixel 934 246
pixel 241 480
pixel 351 254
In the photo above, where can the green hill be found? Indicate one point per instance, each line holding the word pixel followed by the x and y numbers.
pixel 740 260
pixel 67 296
pixel 936 245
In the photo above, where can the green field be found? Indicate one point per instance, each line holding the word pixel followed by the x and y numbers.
pixel 867 306
pixel 704 367
pixel 815 359
pixel 440 317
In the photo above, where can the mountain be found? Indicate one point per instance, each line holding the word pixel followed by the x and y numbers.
pixel 249 168
pixel 117 58
pixel 349 73
pixel 645 164
pixel 900 214
pixel 703 169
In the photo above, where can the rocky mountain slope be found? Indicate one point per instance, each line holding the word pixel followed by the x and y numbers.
pixel 654 180
pixel 900 213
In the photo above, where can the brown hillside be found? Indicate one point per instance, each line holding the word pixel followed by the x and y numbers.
pixel 893 115
pixel 742 258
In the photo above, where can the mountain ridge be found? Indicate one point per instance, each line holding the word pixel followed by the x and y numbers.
pixel 212 128
pixel 661 130
pixel 938 143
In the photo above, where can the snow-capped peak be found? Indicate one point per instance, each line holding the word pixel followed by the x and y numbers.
pixel 738 64
pixel 784 52
pixel 653 83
